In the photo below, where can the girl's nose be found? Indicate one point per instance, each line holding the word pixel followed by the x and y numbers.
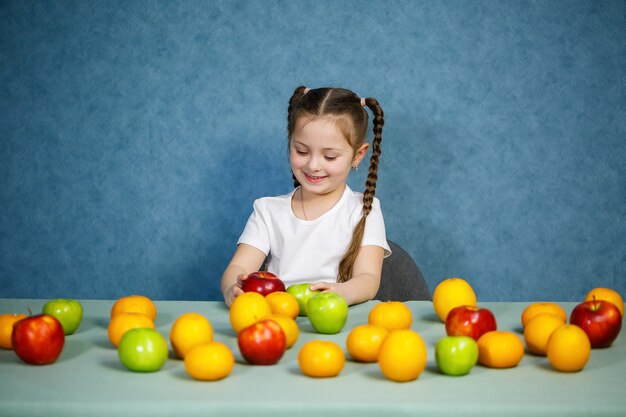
pixel 315 163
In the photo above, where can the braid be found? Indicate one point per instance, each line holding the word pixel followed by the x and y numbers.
pixel 347 262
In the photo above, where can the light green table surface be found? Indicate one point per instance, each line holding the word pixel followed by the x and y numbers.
pixel 89 380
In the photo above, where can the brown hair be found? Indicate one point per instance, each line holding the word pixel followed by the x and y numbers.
pixel 344 108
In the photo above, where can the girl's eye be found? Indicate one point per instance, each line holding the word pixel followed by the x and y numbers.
pixel 300 152
pixel 330 158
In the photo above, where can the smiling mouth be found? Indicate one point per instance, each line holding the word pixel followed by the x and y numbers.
pixel 313 177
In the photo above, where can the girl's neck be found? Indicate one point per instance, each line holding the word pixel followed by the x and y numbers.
pixel 311 206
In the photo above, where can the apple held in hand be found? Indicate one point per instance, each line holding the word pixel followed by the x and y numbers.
pixel 601 320
pixel 38 340
pixel 327 312
pixel 262 343
pixel 456 355
pixel 262 282
pixel 68 312
pixel 302 293
pixel 143 350
pixel 470 321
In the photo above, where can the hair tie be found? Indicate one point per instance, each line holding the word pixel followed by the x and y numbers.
pixel 362 101
pixel 306 90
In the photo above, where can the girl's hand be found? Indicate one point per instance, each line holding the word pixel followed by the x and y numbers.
pixel 235 290
pixel 327 287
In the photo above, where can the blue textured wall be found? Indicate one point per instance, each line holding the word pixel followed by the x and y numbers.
pixel 135 135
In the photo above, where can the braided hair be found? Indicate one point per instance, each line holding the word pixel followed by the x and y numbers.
pixel 351 119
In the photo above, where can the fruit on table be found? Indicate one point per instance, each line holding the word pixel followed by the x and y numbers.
pixel 137 304
pixel 327 312
pixel 364 342
pixel 321 359
pixel 542 307
pixel 124 322
pixel 538 331
pixel 6 328
pixel 143 350
pixel 189 330
pixel 600 319
pixel 262 282
pixel 607 294
pixel 392 315
pixel 302 293
pixel 38 340
pixel 69 312
pixel 450 293
pixel 402 356
pixel 456 355
pixel 247 309
pixel 289 326
pixel 568 348
pixel 500 349
pixel 470 321
pixel 282 302
pixel 262 343
pixel 209 361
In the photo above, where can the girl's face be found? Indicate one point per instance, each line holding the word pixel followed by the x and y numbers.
pixel 321 157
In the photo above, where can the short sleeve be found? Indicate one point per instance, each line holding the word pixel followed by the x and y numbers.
pixel 257 233
pixel 375 234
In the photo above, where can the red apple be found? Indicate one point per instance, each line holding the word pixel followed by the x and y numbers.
pixel 470 321
pixel 600 319
pixel 262 282
pixel 262 343
pixel 38 340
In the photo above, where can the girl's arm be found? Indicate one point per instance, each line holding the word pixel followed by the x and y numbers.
pixel 247 259
pixel 365 280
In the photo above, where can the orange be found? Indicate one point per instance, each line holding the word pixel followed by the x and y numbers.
pixel 283 303
pixel 392 315
pixel 289 326
pixel 568 348
pixel 189 330
pixel 450 293
pixel 247 309
pixel 123 322
pixel 137 304
pixel 402 356
pixel 6 328
pixel 321 359
pixel 500 349
pixel 607 294
pixel 538 331
pixel 209 361
pixel 364 342
pixel 542 307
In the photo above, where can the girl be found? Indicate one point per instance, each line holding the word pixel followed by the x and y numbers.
pixel 322 231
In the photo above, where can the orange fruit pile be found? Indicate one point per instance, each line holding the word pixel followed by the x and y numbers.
pixel 538 331
pixel 364 342
pixel 247 309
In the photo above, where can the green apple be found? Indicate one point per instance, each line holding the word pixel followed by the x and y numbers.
pixel 143 350
pixel 327 312
pixel 302 293
pixel 456 355
pixel 68 312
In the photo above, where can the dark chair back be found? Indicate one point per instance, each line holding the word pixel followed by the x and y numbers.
pixel 401 278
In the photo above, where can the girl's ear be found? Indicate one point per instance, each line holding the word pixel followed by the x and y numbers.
pixel 360 154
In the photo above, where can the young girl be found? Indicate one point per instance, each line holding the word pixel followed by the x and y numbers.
pixel 322 232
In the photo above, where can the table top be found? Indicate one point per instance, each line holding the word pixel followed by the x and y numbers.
pixel 89 380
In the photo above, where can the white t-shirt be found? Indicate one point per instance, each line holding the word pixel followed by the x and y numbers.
pixel 309 251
